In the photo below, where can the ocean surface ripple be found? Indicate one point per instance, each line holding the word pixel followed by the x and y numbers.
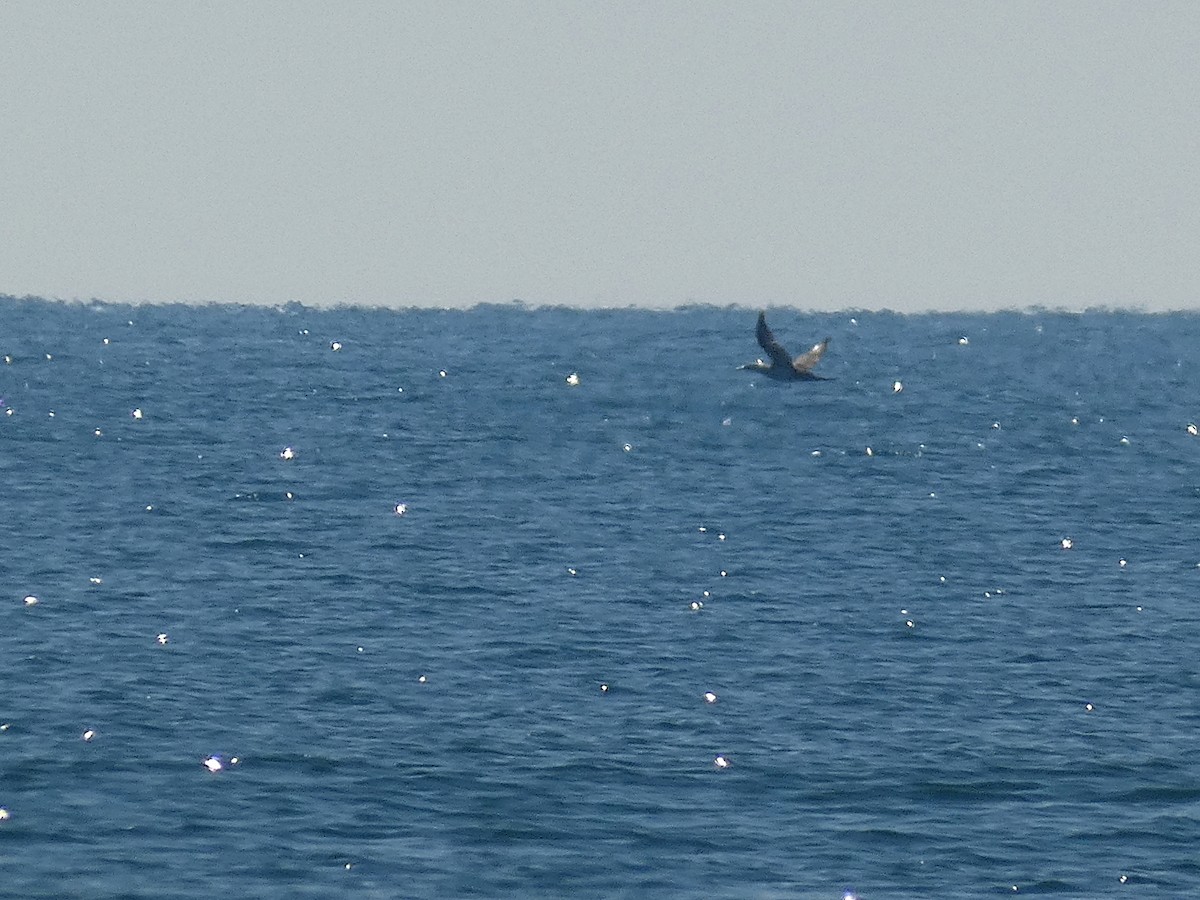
pixel 543 603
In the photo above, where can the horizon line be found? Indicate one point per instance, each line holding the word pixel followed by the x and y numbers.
pixel 521 304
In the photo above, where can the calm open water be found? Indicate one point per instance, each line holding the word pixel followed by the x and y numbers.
pixel 459 643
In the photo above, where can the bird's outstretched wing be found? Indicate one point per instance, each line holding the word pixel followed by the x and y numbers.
pixel 774 349
pixel 805 361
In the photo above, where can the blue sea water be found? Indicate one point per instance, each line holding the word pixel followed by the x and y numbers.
pixel 920 691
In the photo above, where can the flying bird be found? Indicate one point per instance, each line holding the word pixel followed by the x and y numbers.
pixel 782 366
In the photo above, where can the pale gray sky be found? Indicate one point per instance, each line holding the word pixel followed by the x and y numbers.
pixel 828 155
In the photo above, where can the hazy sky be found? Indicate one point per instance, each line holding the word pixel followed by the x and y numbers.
pixel 828 155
